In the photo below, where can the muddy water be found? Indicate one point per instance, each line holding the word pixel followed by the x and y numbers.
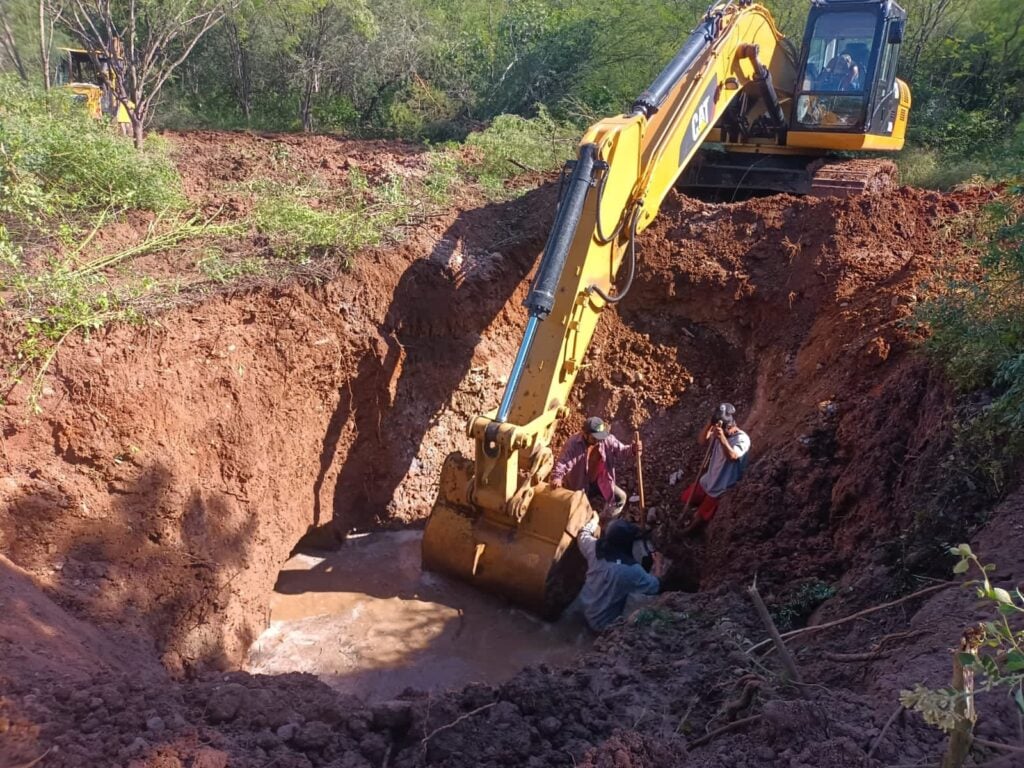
pixel 368 621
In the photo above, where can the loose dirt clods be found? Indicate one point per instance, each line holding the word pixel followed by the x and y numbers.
pixel 145 514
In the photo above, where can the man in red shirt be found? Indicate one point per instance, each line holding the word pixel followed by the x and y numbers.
pixel 586 464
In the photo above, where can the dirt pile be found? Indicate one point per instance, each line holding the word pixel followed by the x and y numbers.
pixel 174 467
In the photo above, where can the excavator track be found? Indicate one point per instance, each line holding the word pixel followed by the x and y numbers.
pixel 733 173
pixel 854 177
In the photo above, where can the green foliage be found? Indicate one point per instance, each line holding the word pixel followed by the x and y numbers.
pixel 977 325
pixel 797 606
pixel 976 319
pixel 215 267
pixel 306 223
pixel 993 651
pixel 57 304
pixel 442 177
pixel 512 145
pixel 56 161
pixel 937 706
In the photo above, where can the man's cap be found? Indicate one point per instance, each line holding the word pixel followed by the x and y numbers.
pixel 596 427
pixel 617 542
pixel 727 413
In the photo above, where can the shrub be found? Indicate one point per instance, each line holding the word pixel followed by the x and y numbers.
pixel 514 144
pixel 56 160
pixel 990 657
pixel 977 334
pixel 303 224
pixel 978 325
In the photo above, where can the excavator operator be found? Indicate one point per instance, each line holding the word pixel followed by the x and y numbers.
pixel 841 74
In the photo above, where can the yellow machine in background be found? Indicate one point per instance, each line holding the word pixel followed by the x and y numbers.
pixel 496 522
pixel 77 72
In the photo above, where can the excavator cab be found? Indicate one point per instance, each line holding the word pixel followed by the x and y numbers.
pixel 840 93
pixel 848 96
pixel 77 72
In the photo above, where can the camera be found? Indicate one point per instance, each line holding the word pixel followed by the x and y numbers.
pixel 723 416
pixel 720 417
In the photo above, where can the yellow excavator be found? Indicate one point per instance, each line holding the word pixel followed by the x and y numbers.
pixel 77 71
pixel 775 115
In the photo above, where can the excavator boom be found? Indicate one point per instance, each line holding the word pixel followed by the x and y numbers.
pixel 496 521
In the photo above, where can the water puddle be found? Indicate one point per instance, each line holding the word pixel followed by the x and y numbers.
pixel 369 622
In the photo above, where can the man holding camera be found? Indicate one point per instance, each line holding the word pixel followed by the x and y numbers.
pixel 722 468
pixel 586 464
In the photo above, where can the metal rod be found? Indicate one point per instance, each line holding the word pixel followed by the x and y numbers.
pixel 640 481
pixel 541 298
pixel 517 368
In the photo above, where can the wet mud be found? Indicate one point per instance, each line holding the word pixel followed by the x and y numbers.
pixel 368 621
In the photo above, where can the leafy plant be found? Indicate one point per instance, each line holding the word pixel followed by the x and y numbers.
pixel 308 223
pixel 60 303
pixel 442 176
pixel 55 160
pixel 220 270
pixel 977 334
pixel 798 605
pixel 991 656
pixel 513 145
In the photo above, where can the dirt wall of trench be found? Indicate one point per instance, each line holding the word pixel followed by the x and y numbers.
pixel 800 312
pixel 175 465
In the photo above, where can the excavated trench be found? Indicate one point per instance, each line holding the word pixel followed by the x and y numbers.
pixel 155 503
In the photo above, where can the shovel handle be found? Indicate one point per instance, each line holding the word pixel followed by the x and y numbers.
pixel 640 482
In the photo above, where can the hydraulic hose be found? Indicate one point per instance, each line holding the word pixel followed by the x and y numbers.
pixel 631 251
pixel 541 298
pixel 650 101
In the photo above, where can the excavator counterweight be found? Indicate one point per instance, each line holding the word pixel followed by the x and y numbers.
pixel 775 115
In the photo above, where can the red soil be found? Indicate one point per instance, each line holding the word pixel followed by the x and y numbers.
pixel 145 513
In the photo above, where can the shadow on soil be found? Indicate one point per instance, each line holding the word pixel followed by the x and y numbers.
pixel 440 308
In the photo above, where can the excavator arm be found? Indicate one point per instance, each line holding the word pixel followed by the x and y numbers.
pixel 496 522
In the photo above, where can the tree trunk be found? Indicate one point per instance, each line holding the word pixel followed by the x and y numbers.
pixel 242 76
pixel 44 45
pixel 137 128
pixel 10 46
pixel 962 735
pixel 306 106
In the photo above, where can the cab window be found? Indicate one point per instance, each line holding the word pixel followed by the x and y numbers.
pixel 839 52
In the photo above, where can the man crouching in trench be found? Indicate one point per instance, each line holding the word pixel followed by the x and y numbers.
pixel 613 574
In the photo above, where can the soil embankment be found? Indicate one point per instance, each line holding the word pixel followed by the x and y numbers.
pixel 147 510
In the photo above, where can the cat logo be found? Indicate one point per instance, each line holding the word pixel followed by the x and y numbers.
pixel 703 118
pixel 700 118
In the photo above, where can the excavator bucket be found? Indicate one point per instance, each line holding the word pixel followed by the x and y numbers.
pixel 534 563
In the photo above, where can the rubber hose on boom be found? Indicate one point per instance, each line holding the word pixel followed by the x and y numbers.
pixel 541 298
pixel 650 101
pixel 621 294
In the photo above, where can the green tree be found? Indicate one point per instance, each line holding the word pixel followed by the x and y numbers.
pixel 146 41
